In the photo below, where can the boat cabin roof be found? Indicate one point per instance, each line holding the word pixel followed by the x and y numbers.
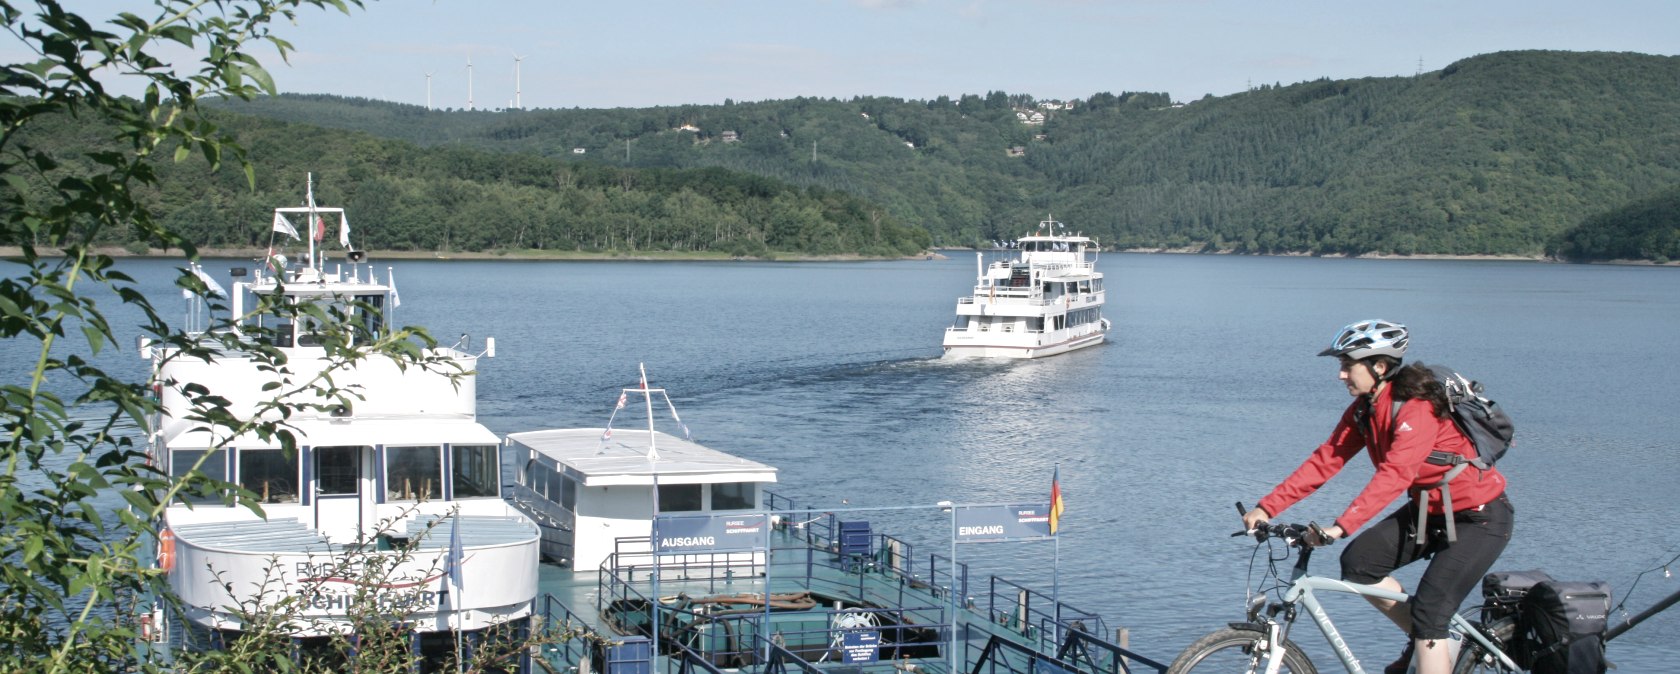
pixel 623 458
pixel 1062 238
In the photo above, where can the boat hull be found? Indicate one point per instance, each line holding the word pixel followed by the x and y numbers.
pixel 961 344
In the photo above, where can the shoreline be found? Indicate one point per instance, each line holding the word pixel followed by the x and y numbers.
pixel 255 254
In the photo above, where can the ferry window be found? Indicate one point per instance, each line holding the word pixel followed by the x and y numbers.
pixel 568 493
pixel 371 316
pixel 554 480
pixel 1035 325
pixel 306 334
pixel 283 335
pixel 734 496
pixel 962 322
pixel 271 474
pixel 475 471
pixel 413 473
pixel 215 466
pixel 338 469
pixel 533 476
pixel 679 498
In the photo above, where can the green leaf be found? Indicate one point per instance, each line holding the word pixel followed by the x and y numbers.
pixel 95 338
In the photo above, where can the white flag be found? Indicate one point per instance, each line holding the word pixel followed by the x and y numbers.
pixel 396 300
pixel 344 230
pixel 284 226
pixel 216 289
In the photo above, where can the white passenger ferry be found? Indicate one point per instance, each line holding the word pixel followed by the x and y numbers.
pixel 672 557
pixel 396 475
pixel 1045 301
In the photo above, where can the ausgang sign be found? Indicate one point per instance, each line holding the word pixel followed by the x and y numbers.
pixel 709 533
pixel 988 524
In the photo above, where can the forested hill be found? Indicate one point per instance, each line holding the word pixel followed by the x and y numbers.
pixel 1496 154
pixel 404 197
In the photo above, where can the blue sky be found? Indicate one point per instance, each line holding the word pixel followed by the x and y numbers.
pixel 629 53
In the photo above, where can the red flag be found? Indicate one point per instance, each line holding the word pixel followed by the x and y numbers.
pixel 1056 505
pixel 320 229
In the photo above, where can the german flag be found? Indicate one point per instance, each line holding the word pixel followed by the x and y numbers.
pixel 1056 505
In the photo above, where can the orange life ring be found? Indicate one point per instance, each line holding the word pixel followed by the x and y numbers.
pixel 166 549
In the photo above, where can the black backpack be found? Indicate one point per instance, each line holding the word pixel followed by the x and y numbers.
pixel 1479 419
pixel 1560 627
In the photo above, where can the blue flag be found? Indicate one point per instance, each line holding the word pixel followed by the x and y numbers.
pixel 454 559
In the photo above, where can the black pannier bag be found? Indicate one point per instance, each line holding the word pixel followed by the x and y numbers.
pixel 1502 590
pixel 1502 593
pixel 1561 627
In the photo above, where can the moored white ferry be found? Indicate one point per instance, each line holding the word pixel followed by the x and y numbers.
pixel 1045 301
pixel 397 475
pixel 671 557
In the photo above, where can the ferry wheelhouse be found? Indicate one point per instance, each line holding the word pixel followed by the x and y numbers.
pixel 388 476
pixel 1043 301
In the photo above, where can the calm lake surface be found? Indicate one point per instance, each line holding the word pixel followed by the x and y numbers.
pixel 1207 393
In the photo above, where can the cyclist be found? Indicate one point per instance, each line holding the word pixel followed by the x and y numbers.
pixel 1370 352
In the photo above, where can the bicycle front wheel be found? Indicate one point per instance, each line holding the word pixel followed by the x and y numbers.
pixel 1234 650
pixel 1475 659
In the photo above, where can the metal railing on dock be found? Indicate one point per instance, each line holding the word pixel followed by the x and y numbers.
pixel 850 581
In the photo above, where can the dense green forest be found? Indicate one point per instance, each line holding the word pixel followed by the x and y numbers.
pixel 1515 153
pixel 1648 229
pixel 400 196
pixel 1502 153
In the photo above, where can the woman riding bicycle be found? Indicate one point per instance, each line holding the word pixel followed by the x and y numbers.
pixel 1400 444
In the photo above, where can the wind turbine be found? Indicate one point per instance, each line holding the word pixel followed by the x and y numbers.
pixel 516 102
pixel 469 83
pixel 428 91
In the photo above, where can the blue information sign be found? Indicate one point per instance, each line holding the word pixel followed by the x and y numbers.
pixel 990 524
pixel 861 645
pixel 710 533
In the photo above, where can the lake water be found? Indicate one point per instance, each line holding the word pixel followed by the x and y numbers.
pixel 1207 393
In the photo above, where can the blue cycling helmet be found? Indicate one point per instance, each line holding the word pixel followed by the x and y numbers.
pixel 1371 337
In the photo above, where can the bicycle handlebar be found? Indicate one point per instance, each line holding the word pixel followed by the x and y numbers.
pixel 1292 534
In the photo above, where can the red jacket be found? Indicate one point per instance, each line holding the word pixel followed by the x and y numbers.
pixel 1403 442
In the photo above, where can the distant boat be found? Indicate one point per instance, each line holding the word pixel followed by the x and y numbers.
pixel 1045 301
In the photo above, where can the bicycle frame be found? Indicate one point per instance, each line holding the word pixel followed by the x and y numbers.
pixel 1300 594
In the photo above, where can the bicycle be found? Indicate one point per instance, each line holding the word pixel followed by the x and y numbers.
pixel 1261 643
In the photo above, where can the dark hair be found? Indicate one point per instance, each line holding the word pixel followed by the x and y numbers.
pixel 1416 381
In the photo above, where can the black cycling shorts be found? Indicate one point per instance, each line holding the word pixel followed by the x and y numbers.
pixel 1454 569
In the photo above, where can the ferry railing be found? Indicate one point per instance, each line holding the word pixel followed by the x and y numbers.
pixel 1036 615
pixel 782 660
pixel 888 554
pixel 1090 653
pixel 686 661
pixel 1032 300
pixel 1004 656
pixel 571 649
pixel 721 636
pixel 1055 626
pixel 736 640
pixel 633 557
